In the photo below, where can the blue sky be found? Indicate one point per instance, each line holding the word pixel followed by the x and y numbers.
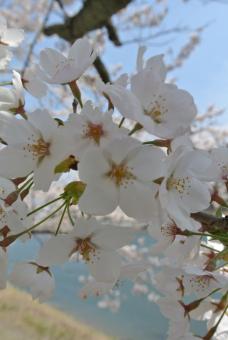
pixel 205 73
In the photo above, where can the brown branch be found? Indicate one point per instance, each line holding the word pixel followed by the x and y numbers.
pixel 112 33
pixel 93 15
pixel 102 70
pixel 211 223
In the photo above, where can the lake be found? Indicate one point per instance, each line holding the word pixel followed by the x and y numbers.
pixel 136 319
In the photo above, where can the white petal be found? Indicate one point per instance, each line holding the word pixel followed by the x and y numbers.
pixel 92 165
pixel 50 60
pixel 138 200
pixel 196 198
pixel 13 36
pixel 105 267
pixel 95 288
pixel 100 198
pixel 124 100
pixel 113 237
pixel 34 84
pixel 44 174
pixel 14 163
pixel 42 120
pixel 119 149
pixel 131 271
pixel 147 163
pixel 56 250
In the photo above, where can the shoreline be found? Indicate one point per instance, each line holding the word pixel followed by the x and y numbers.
pixel 22 318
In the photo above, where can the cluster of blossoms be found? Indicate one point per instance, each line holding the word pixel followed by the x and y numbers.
pixel 151 171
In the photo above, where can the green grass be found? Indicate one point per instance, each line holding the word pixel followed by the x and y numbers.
pixel 21 318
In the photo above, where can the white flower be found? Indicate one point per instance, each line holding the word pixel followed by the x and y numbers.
pixel 162 109
pixel 92 128
pixel 5 56
pixel 121 174
pixel 122 98
pixel 168 283
pixel 171 308
pixel 58 69
pixel 3 268
pixel 96 243
pixel 13 215
pixel 33 83
pixel 164 231
pixel 182 192
pixel 12 100
pixel 166 111
pixel 179 330
pixel 219 157
pixel 128 271
pixel 9 37
pixel 34 277
pixel 181 250
pixel 37 144
pixel 155 63
pixel 94 288
pixel 202 282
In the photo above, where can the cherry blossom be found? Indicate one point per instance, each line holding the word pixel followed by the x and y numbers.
pixel 92 128
pixel 9 37
pixel 13 215
pixel 12 100
pixel 155 64
pixel 220 157
pixel 117 173
pixel 37 141
pixel 120 97
pixel 97 245
pixel 166 111
pixel 182 192
pixel 33 83
pixel 116 176
pixel 36 278
pixel 58 69
pixel 203 282
pixel 127 272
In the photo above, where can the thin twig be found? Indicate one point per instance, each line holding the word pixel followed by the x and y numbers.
pixel 36 37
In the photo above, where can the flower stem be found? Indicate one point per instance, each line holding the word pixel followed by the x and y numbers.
pixel 38 223
pixel 69 214
pixel 43 206
pixel 121 122
pixel 61 219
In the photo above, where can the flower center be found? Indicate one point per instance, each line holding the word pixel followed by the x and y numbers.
pixel 39 149
pixel 169 230
pixel 120 174
pixel 157 111
pixel 179 184
pixel 155 114
pixel 201 282
pixel 86 248
pixel 95 132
